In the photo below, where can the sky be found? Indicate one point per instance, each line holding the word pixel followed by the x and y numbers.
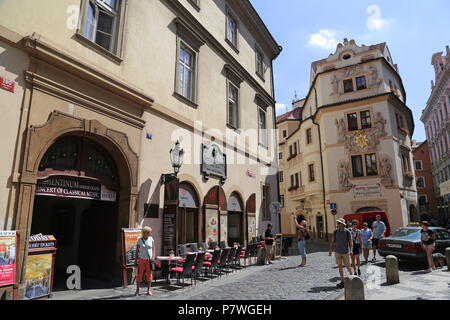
pixel 310 30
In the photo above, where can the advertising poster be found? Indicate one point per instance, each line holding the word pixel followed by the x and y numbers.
pixel 251 227
pixel 212 226
pixel 38 275
pixel 131 236
pixel 8 245
pixel 224 227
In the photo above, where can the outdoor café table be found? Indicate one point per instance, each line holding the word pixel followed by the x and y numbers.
pixel 165 263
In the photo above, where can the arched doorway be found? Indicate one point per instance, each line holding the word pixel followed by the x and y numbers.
pixel 76 200
pixel 215 216
pixel 236 226
pixel 188 214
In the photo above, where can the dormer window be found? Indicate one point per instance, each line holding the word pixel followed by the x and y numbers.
pixel 348 85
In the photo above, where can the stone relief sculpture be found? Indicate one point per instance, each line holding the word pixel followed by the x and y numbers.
pixel 375 80
pixel 373 77
pixel 344 175
pixel 386 171
pixel 352 139
pixel 335 85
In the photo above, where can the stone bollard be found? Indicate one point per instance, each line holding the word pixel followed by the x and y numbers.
pixel 392 274
pixel 354 288
pixel 447 256
pixel 261 256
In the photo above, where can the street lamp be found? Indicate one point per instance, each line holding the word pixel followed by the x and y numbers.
pixel 176 157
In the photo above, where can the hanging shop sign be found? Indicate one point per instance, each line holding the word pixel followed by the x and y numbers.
pixel 40 266
pixel 72 188
pixel 8 253
pixel 7 84
pixel 214 162
pixel 367 191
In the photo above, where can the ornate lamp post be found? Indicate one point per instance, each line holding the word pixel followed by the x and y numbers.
pixel 176 158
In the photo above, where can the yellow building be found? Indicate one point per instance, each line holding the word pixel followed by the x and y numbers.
pixel 351 148
pixel 97 92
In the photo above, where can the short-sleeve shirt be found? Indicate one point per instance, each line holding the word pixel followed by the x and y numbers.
pixel 426 237
pixel 365 236
pixel 301 235
pixel 146 248
pixel 379 228
pixel 341 241
pixel 355 236
pixel 269 234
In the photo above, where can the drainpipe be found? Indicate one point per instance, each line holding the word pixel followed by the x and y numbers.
pixel 322 170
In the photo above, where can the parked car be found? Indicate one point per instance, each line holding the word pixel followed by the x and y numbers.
pixel 405 243
pixel 369 217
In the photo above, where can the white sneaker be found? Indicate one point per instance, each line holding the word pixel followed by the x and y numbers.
pixel 430 270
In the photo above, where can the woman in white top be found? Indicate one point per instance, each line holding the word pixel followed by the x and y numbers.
pixel 145 253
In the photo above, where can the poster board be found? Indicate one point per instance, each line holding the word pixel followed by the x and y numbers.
pixel 40 266
pixel 278 246
pixel 9 250
pixel 129 241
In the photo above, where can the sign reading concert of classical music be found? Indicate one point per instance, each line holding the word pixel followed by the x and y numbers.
pixel 8 246
pixel 72 188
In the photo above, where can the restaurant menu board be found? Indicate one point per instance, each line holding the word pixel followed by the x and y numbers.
pixel 278 245
pixel 130 239
pixel 38 276
pixel 8 249
pixel 169 229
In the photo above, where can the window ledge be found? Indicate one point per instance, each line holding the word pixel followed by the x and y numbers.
pixel 232 45
pixel 99 49
pixel 195 5
pixel 236 130
pixel 185 100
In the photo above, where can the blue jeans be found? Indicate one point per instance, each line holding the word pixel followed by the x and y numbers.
pixel 302 247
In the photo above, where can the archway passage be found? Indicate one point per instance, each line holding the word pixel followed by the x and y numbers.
pixel 77 200
pixel 188 215
pixel 235 220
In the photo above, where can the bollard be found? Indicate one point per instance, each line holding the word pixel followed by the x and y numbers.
pixel 354 288
pixel 261 256
pixel 447 256
pixel 392 275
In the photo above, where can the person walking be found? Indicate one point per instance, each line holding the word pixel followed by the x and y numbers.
pixel 269 238
pixel 303 235
pixel 428 240
pixel 342 244
pixel 356 252
pixel 378 230
pixel 145 252
pixel 366 235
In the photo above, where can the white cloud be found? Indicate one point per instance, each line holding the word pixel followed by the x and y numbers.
pixel 281 108
pixel 325 39
pixel 375 21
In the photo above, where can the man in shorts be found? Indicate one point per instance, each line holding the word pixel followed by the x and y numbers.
pixel 378 230
pixel 342 244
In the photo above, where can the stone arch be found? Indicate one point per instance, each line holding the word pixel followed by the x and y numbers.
pixel 40 138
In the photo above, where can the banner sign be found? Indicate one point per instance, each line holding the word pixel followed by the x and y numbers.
pixel 71 188
pixel 8 246
pixel 130 239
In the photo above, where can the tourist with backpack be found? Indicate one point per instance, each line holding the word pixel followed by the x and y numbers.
pixel 342 245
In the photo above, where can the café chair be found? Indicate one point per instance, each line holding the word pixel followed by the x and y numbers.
pixel 212 266
pixel 198 265
pixel 193 247
pixel 186 271
pixel 223 260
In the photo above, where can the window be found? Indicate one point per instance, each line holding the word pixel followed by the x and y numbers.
pixel 282 201
pixel 262 126
pixel 308 136
pixel 357 166
pixel 312 176
pixel 399 120
pixel 291 151
pixel 195 4
pixel 260 63
pixel 366 121
pixel 361 83
pixel 280 155
pixel 423 200
pixel 285 134
pixel 292 181
pixel 185 74
pixel 295 148
pixel 232 30
pixel 371 165
pixel 281 176
pixel 352 120
pixel 420 182
pixel 233 105
pixel 100 23
pixel 418 165
pixel 300 179
pixel 348 85
pixel 266 202
pixel 297 181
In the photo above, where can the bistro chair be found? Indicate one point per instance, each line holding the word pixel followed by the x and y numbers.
pixel 255 252
pixel 230 257
pixel 186 271
pixel 237 258
pixel 193 247
pixel 223 245
pixel 248 253
pixel 223 260
pixel 182 249
pixel 198 265
pixel 212 266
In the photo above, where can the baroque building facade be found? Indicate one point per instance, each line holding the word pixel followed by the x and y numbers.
pixel 352 148
pixel 94 99
pixel 436 118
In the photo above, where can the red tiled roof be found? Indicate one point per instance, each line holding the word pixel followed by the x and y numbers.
pixel 295 114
